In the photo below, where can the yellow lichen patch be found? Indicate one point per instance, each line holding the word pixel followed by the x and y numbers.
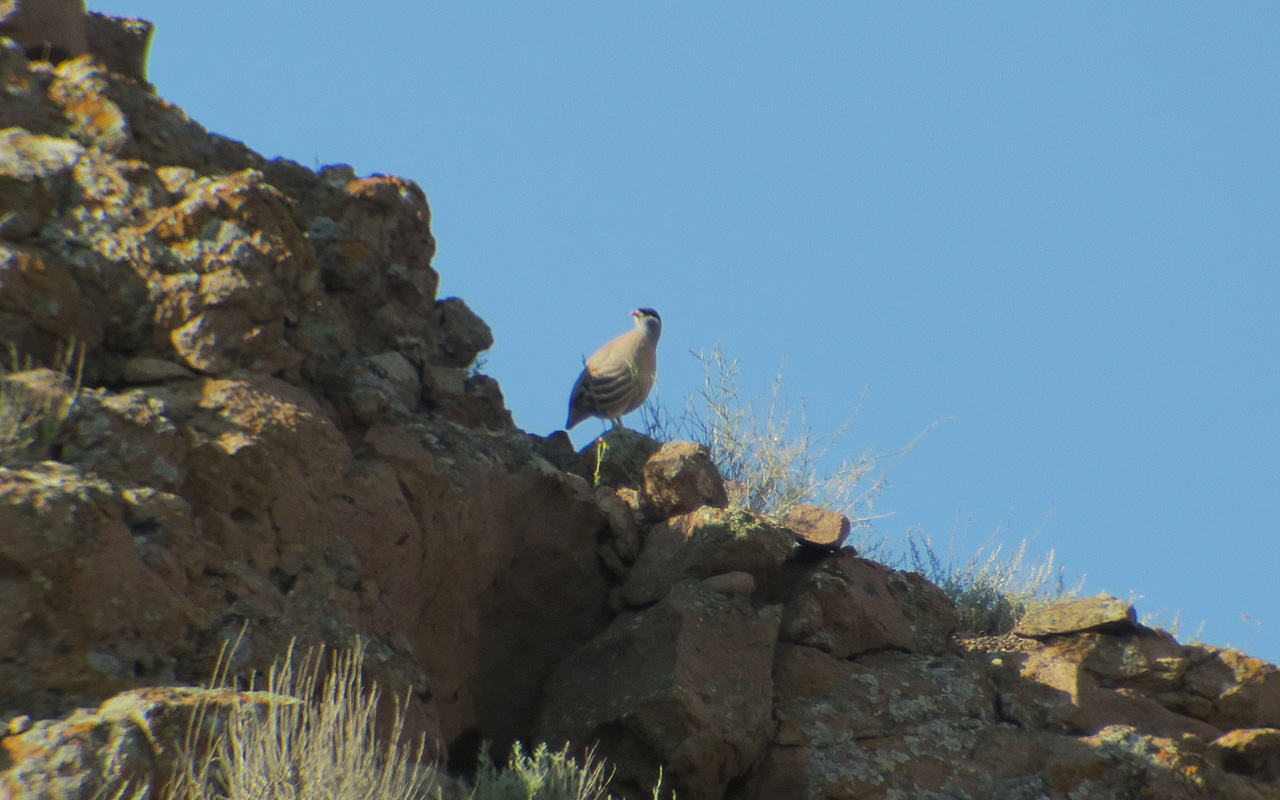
pixel 96 121
pixel 97 117
pixel 20 748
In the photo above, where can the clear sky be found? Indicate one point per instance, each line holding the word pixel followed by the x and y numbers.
pixel 1057 225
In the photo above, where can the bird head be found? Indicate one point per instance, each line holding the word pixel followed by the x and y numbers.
pixel 648 320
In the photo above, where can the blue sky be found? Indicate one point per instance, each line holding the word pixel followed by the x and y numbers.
pixel 1054 225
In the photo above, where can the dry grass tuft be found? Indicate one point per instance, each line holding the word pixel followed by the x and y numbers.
pixel 305 735
pixel 311 733
pixel 992 590
pixel 29 423
pixel 543 774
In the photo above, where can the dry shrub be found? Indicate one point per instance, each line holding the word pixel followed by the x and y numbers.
pixel 543 774
pixel 770 456
pixel 29 422
pixel 772 459
pixel 992 589
pixel 305 735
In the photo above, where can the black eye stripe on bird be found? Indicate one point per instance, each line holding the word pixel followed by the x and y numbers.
pixel 617 378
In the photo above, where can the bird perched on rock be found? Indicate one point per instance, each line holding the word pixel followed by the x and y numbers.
pixel 618 377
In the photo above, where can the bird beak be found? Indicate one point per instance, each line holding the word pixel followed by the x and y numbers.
pixel 635 314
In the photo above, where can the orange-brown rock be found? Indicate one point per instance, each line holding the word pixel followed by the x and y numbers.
pixel 268 516
pixel 132 745
pixel 1101 613
pixel 1095 706
pixel 680 478
pixel 893 724
pixel 1156 766
pixel 1147 659
pixel 87 616
pixel 122 746
pixel 1146 680
pixel 1251 697
pixel 816 526
pixel 503 569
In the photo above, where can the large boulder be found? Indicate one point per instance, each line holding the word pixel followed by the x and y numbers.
pixel 680 478
pixel 1141 678
pixel 684 686
pixel 1251 751
pixel 131 742
pixel 886 724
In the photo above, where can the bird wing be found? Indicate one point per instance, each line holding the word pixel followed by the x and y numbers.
pixel 607 381
pixel 607 387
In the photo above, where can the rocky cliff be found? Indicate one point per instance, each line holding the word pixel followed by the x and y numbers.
pixel 277 428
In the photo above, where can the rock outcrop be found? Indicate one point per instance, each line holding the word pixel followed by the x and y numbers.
pixel 261 417
pixel 278 426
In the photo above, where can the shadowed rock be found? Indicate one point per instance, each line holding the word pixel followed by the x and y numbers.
pixel 48 30
pixel 685 684
pixel 121 43
pixel 703 543
pixel 1251 751
pixel 848 605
